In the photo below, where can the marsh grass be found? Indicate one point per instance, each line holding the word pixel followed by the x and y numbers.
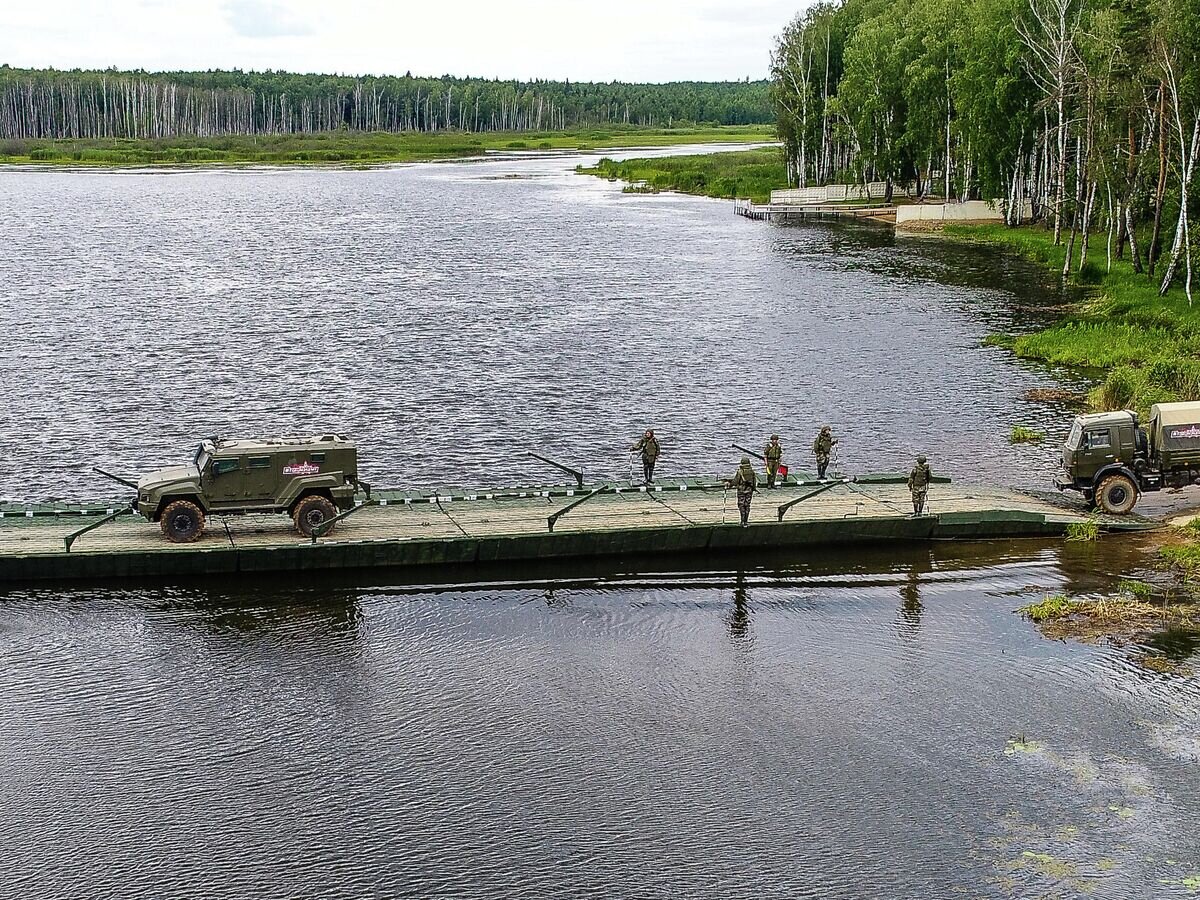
pixel 351 148
pixel 744 173
pixel 1087 530
pixel 1022 435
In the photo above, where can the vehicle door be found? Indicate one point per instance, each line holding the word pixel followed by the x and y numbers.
pixel 261 479
pixel 1097 449
pixel 223 481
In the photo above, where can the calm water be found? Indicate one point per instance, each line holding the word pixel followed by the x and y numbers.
pixel 824 725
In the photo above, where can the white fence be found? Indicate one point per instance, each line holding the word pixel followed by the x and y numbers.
pixel 833 193
pixel 970 211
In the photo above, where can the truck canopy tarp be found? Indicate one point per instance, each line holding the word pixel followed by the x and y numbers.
pixel 1176 425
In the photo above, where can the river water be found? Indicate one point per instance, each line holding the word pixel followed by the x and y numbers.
pixel 833 725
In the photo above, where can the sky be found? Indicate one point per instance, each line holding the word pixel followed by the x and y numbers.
pixel 584 40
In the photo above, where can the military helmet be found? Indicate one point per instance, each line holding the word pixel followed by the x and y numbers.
pixel 774 437
pixel 745 460
pixel 826 428
pixel 921 458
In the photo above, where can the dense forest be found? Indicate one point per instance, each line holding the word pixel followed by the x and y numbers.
pixel 1087 111
pixel 112 104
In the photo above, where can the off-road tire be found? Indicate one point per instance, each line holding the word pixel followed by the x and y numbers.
pixel 182 522
pixel 311 512
pixel 1116 495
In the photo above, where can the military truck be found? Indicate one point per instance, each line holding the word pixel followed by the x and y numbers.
pixel 310 479
pixel 1112 459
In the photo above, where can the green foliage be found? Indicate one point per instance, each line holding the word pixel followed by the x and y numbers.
pixel 358 148
pixel 1149 346
pixel 747 173
pixel 1053 607
pixel 1022 435
pixel 1137 590
pixel 117 104
pixel 1087 530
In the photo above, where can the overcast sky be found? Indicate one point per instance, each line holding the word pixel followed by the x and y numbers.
pixel 584 40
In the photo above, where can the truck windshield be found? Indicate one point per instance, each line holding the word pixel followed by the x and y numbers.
pixel 1074 436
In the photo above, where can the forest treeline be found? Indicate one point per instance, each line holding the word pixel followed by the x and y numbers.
pixel 1085 111
pixel 39 104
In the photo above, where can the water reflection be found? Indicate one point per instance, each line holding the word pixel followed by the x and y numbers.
pixel 739 615
pixel 1176 644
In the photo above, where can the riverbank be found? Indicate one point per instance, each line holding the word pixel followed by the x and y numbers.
pixel 1146 346
pixel 353 148
pixel 746 173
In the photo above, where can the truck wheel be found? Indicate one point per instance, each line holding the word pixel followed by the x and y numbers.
pixel 311 512
pixel 182 522
pixel 1117 495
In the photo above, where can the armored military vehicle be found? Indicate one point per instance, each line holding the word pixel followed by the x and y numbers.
pixel 1112 460
pixel 310 479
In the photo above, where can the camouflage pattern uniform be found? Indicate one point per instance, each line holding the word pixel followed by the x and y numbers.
pixel 822 447
pixel 746 482
pixel 772 454
pixel 649 447
pixel 918 484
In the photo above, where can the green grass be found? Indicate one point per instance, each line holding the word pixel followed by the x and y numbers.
pixel 1088 530
pixel 1053 607
pixel 351 148
pixel 745 173
pixel 1022 435
pixel 1147 346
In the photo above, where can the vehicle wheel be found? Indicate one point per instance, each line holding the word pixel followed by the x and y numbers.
pixel 311 512
pixel 182 522
pixel 1116 495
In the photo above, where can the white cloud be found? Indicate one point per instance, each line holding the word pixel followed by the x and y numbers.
pixel 262 19
pixel 627 40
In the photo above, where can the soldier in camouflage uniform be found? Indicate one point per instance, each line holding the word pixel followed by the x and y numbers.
pixel 773 453
pixel 649 447
pixel 822 447
pixel 918 484
pixel 746 482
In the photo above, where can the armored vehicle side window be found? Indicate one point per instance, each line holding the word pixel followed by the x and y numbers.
pixel 1098 439
pixel 260 462
pixel 221 466
pixel 318 457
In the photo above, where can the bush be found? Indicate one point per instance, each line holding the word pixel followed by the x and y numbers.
pixel 1119 388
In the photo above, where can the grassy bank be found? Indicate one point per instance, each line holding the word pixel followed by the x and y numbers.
pixel 350 148
pixel 1147 346
pixel 746 173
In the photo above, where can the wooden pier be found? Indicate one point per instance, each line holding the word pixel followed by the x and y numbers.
pixel 789 212
pixel 462 527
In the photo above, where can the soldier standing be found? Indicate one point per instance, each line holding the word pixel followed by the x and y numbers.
pixel 649 447
pixel 746 482
pixel 918 484
pixel 822 447
pixel 773 453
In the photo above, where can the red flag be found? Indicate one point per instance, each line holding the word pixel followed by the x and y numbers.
pixel 782 471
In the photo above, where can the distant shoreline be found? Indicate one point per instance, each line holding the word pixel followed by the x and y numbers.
pixel 344 148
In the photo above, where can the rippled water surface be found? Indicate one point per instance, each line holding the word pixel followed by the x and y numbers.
pixel 869 725
pixel 866 724
pixel 452 316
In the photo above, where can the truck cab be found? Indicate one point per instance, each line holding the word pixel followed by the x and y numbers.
pixel 1112 460
pixel 1105 457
